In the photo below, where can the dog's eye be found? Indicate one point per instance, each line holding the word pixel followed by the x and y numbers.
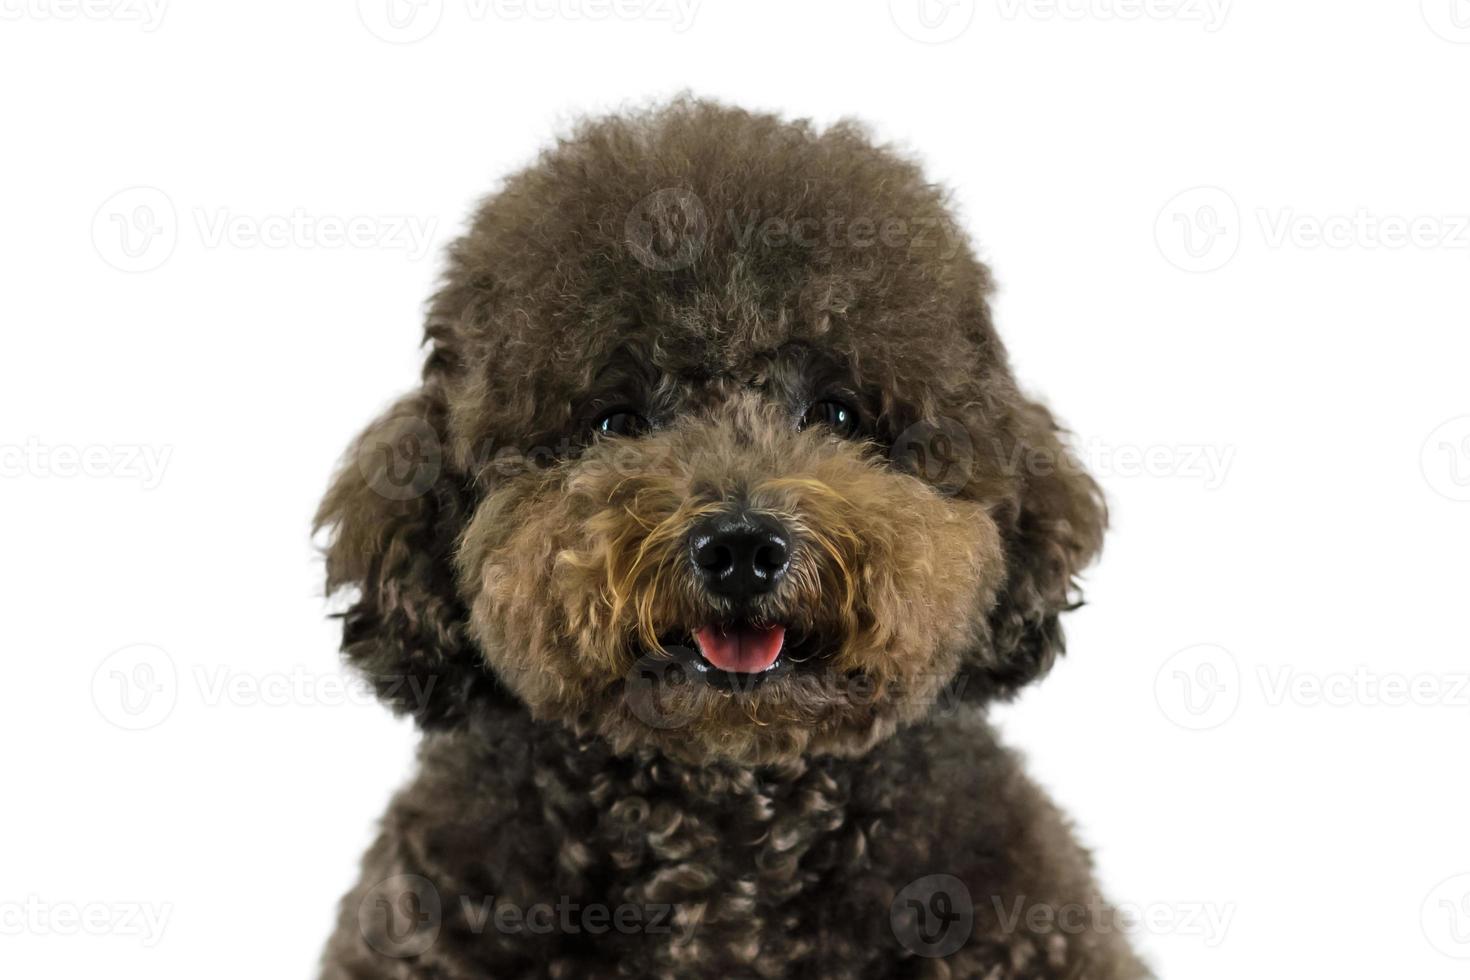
pixel 620 422
pixel 838 416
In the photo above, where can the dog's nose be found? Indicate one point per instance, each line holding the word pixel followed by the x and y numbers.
pixel 739 555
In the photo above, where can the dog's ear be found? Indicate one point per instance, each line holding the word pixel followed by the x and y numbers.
pixel 394 512
pixel 1053 529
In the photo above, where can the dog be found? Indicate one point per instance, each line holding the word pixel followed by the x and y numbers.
pixel 714 525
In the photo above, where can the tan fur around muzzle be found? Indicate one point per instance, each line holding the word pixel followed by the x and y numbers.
pixel 574 573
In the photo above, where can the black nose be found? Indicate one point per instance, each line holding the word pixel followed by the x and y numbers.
pixel 739 555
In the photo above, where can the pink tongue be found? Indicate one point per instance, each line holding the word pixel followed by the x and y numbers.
pixel 743 650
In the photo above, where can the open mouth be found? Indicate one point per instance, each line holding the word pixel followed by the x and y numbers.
pixel 741 649
pixel 739 655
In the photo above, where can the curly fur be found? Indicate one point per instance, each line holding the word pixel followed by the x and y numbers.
pixel 519 579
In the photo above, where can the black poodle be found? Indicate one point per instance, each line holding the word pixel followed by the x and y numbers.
pixel 715 524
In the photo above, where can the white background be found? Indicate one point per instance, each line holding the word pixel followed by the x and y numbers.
pixel 1270 382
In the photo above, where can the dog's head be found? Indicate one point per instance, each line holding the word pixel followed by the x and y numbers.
pixel 716 451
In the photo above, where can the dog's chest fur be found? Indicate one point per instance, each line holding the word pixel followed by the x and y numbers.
pixel 680 867
pixel 549 856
